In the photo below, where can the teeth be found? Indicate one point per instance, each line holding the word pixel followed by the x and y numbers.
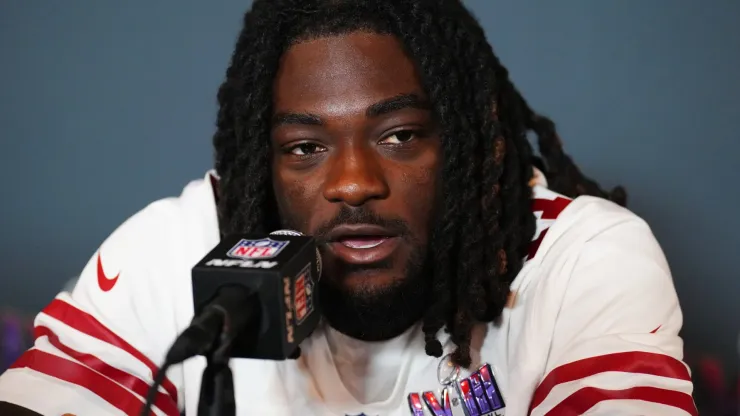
pixel 362 244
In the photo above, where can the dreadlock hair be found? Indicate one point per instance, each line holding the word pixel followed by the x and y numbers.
pixel 485 223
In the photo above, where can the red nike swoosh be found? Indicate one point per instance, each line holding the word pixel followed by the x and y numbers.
pixel 103 281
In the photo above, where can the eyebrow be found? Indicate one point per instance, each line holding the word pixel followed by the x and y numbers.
pixel 296 118
pixel 380 108
pixel 396 103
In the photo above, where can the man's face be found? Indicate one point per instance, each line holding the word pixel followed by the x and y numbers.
pixel 356 154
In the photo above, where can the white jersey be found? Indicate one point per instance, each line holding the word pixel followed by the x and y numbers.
pixel 591 327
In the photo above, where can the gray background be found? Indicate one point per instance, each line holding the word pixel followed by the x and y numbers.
pixel 108 105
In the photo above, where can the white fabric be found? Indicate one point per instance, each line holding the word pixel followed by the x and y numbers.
pixel 594 316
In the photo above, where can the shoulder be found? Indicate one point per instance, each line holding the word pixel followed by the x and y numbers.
pixel 565 226
pixel 195 201
pixel 597 258
pixel 146 260
pixel 128 304
pixel 159 228
pixel 591 245
pixel 598 298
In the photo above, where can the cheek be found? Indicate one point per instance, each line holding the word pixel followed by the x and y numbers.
pixel 296 200
pixel 420 189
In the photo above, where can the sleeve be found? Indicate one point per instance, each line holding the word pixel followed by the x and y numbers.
pixel 615 346
pixel 95 349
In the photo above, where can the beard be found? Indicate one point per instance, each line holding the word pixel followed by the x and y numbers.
pixel 377 313
pixel 370 312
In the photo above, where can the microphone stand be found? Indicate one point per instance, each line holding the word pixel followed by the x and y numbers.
pixel 231 321
pixel 217 383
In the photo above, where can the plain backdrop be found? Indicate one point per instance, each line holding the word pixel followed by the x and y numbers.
pixel 106 106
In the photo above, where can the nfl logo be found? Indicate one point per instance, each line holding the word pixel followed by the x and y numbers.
pixel 265 248
pixel 303 289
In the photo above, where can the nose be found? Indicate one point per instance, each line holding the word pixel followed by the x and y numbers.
pixel 355 177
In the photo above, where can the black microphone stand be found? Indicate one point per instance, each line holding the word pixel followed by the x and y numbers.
pixel 217 383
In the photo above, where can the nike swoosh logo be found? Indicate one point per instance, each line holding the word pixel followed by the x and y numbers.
pixel 104 282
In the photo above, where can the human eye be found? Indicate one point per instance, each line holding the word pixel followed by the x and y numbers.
pixel 398 137
pixel 304 149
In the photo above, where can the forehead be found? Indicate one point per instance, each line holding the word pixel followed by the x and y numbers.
pixel 330 74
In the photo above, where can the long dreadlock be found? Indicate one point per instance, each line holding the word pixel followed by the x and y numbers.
pixel 487 157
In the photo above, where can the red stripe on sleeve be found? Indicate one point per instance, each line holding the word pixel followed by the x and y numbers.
pixel 82 376
pixel 86 323
pixel 163 402
pixel 582 400
pixel 629 362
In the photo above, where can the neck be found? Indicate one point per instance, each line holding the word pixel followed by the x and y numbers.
pixel 368 369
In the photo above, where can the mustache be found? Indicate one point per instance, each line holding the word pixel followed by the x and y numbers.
pixel 362 215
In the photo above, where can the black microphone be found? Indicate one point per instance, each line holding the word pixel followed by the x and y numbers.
pixel 260 293
pixel 253 297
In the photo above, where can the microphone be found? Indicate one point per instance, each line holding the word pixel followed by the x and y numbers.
pixel 258 292
pixel 253 297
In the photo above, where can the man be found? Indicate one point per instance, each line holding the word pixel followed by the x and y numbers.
pixel 455 281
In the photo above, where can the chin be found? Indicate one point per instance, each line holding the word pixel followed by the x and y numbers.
pixel 369 282
pixel 373 305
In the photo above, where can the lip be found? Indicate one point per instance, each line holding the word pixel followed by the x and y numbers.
pixel 350 255
pixel 354 230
